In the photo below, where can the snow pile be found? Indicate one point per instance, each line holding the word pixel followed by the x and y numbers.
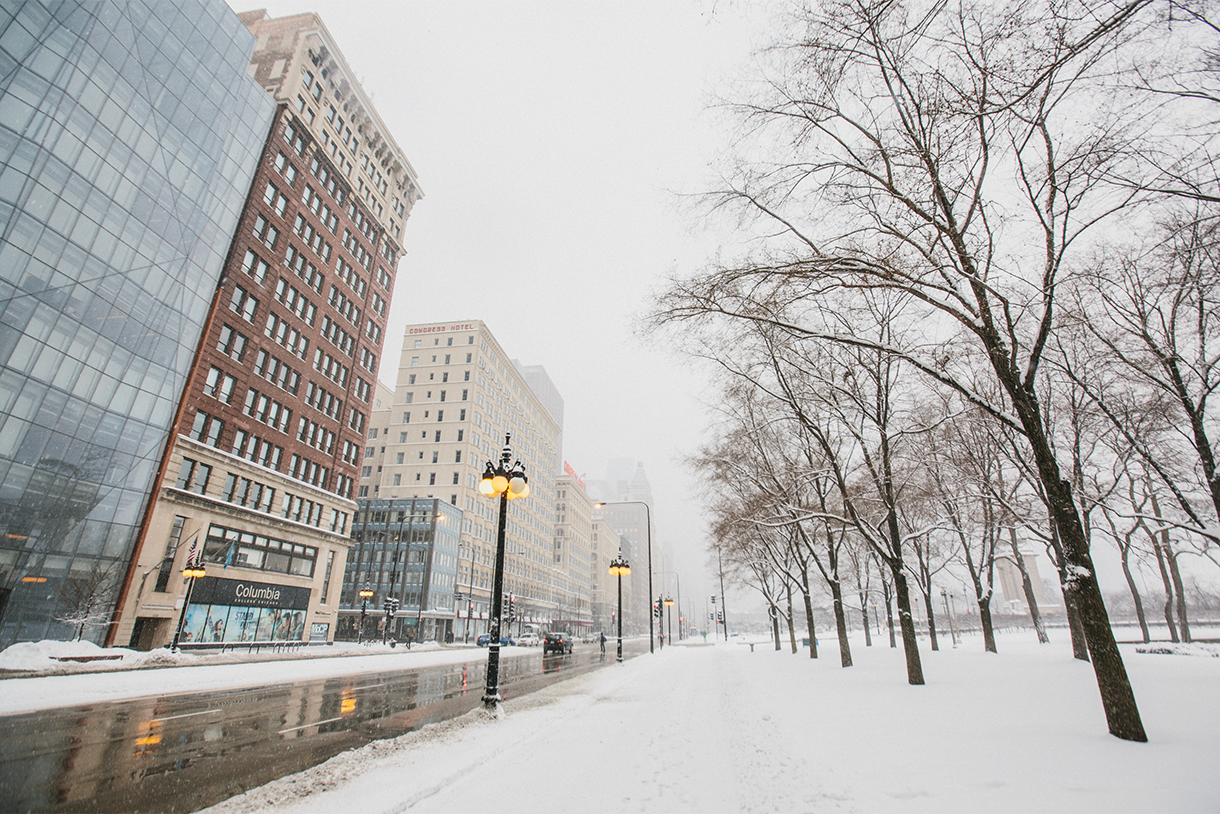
pixel 724 729
pixel 49 656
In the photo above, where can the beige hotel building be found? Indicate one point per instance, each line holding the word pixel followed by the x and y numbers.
pixel 457 395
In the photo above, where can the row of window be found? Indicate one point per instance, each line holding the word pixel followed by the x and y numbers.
pixel 307 471
pixel 233 547
pixel 337 336
pixel 257 450
pixel 312 237
pixel 318 437
pixel 275 199
pixel 248 493
pixel 296 302
pixel 304 269
pixel 323 401
pixel 266 410
pixel 344 306
pixel 278 373
pixel 347 272
pixel 409 398
pixel 402 436
pixel 314 203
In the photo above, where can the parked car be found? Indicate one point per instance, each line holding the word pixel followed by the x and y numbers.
pixel 484 640
pixel 528 639
pixel 557 643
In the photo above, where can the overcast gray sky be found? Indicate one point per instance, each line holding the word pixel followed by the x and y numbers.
pixel 552 141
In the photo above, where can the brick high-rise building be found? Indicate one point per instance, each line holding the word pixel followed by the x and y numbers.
pixel 260 477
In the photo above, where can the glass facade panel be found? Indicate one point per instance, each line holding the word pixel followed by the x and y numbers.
pixel 129 133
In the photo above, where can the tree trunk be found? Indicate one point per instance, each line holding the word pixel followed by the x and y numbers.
pixel 868 636
pixel 841 623
pixel 927 601
pixel 1080 648
pixel 1125 552
pixel 1027 585
pixel 1118 699
pixel 775 625
pixel 985 621
pixel 1171 558
pixel 910 645
pixel 813 639
pixel 1180 590
pixel 889 610
pixel 791 629
pixel 1160 561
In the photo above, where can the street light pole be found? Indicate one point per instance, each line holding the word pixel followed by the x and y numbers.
pixel 724 600
pixel 192 571
pixel 678 584
pixel 944 595
pixel 365 594
pixel 619 568
pixel 669 603
pixel 648 531
pixel 508 483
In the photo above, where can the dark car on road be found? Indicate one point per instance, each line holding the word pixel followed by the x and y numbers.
pixel 557 643
pixel 483 641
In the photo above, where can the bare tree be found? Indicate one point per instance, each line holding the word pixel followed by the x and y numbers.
pixel 85 599
pixel 894 121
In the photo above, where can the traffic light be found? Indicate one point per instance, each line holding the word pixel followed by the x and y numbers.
pixel 512 607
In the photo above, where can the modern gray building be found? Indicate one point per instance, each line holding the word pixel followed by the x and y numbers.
pixel 129 134
pixel 407 550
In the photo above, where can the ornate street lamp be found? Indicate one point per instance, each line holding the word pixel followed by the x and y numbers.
pixel 192 572
pixel 619 568
pixel 648 530
pixel 669 603
pixel 366 594
pixel 507 483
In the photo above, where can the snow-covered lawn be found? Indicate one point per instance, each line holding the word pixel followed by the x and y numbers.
pixel 712 729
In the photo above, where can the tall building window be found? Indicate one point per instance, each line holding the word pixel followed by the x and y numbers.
pixel 171 548
pixel 330 560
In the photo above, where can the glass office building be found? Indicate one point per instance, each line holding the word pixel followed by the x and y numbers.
pixel 129 133
pixel 405 550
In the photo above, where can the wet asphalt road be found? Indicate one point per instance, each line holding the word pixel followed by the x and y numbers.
pixel 180 753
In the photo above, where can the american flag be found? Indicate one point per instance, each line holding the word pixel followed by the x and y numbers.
pixel 190 552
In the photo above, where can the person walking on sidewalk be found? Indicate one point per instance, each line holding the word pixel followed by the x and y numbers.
pixel 601 637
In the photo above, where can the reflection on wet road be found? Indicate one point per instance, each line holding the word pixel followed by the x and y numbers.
pixel 184 752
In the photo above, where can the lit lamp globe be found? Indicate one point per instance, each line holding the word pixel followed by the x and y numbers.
pixel 486 487
pixel 518 487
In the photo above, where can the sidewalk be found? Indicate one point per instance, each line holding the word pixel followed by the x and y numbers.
pixel 720 728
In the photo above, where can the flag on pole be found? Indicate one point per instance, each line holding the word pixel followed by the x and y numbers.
pixel 190 552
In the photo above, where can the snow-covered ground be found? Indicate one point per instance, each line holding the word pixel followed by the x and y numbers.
pixel 712 729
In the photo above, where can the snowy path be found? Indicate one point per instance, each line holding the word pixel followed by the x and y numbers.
pixel 723 729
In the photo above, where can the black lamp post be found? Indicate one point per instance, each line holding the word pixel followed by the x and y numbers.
pixel 648 530
pixel 192 572
pixel 619 568
pixel 366 594
pixel 669 603
pixel 508 483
